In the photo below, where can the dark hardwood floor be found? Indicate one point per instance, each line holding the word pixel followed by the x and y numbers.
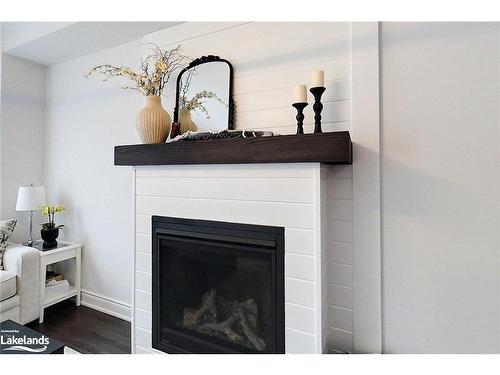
pixel 85 330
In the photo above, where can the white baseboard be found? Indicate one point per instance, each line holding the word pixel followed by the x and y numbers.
pixel 106 305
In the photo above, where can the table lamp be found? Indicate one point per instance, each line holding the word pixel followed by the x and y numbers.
pixel 30 198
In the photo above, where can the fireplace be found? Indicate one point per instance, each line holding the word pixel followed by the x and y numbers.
pixel 217 287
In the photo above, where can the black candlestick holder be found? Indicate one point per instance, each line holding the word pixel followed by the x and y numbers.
pixel 317 107
pixel 300 116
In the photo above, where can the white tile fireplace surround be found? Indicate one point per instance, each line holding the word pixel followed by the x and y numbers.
pixel 292 196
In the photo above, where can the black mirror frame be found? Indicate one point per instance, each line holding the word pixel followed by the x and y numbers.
pixel 204 60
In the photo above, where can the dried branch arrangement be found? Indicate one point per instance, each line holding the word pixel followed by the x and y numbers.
pixel 155 71
pixel 197 102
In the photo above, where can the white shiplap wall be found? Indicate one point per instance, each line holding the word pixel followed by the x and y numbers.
pixel 339 207
pixel 269 59
pixel 251 194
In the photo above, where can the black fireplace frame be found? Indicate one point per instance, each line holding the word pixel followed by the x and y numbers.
pixel 264 237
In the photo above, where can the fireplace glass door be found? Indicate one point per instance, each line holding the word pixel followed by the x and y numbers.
pixel 217 287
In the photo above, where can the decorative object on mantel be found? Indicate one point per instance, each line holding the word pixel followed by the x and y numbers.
pixel 300 104
pixel 318 81
pixel 174 131
pixel 193 104
pixel 197 102
pixel 50 231
pixel 153 122
pixel 204 95
pixel 30 198
pixel 224 134
pixel 186 123
pixel 300 116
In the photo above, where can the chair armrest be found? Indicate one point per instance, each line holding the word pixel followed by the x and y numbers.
pixel 25 263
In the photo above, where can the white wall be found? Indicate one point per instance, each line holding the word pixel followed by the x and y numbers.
pixel 22 137
pixel 86 118
pixel 367 304
pixel 440 187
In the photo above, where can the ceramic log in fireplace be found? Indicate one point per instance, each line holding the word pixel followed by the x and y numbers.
pixel 217 287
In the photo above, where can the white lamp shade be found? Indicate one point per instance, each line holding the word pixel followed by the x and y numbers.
pixel 30 198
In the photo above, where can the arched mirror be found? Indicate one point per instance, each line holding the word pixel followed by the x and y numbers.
pixel 204 95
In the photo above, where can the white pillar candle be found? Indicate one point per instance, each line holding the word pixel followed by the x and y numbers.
pixel 300 94
pixel 318 78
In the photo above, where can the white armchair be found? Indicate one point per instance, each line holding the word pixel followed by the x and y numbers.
pixel 19 284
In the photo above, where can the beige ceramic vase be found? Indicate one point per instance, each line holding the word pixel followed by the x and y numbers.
pixel 153 122
pixel 186 121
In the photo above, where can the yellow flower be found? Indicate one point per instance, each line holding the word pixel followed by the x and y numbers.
pixel 59 208
pixel 46 209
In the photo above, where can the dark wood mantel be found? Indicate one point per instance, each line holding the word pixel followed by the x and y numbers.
pixel 331 148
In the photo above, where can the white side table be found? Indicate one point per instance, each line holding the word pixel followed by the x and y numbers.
pixel 65 251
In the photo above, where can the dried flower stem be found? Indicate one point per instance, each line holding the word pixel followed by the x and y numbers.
pixel 198 102
pixel 155 70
